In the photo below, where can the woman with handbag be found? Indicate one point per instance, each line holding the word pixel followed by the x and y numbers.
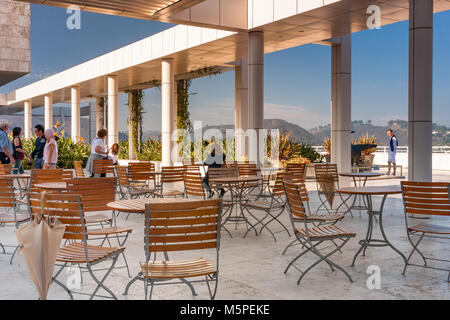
pixel 98 150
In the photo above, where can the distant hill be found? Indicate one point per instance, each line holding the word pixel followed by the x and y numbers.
pixel 297 133
pixel 315 136
pixel 362 128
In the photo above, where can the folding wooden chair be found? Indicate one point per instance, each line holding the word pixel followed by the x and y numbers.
pixel 247 169
pixel 102 167
pixel 96 202
pixel 316 219
pixel 327 181
pixel 175 227
pixel 5 169
pixel 11 217
pixel 297 169
pixel 128 189
pixel 170 175
pixel 193 185
pixel 68 209
pixel 431 199
pixel 79 172
pixel 272 208
pixel 311 237
pixel 139 175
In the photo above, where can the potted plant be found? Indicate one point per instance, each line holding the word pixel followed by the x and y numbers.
pixel 367 155
pixel 326 145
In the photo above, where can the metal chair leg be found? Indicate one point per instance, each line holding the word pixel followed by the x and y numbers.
pixel 127 287
pixel 415 248
pixel 100 282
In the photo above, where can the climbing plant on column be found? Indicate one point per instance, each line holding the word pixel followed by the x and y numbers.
pixel 137 110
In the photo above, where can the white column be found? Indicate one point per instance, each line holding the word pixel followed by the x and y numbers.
pixel 48 111
pixel 75 113
pixel 420 90
pixel 99 114
pixel 241 109
pixel 341 102
pixel 167 100
pixel 131 150
pixel 113 110
pixel 256 94
pixel 27 120
pixel 174 116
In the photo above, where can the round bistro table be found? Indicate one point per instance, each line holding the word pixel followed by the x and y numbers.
pixel 239 187
pixel 359 180
pixel 368 193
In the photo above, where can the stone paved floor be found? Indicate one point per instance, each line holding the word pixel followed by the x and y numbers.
pixel 252 268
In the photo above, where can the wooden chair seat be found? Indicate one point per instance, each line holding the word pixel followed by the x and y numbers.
pixel 325 232
pixel 168 193
pixel 108 231
pixel 324 217
pixel 177 269
pixel 264 205
pixel 9 217
pixel 140 192
pixel 75 253
pixel 97 218
pixel 429 227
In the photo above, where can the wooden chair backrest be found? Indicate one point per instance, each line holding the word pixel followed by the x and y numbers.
pixel 193 184
pixel 5 169
pixel 95 193
pixel 135 170
pixel 79 173
pixel 49 175
pixel 326 172
pixel 103 166
pixel 193 167
pixel 430 198
pixel 297 169
pixel 221 173
pixel 278 188
pixel 247 169
pixel 172 174
pixel 122 176
pixel 182 226
pixel 7 198
pixel 296 196
pixel 67 208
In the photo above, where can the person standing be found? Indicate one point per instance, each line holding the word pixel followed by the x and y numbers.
pixel 392 151
pixel 50 150
pixel 98 151
pixel 19 152
pixel 38 151
pixel 6 149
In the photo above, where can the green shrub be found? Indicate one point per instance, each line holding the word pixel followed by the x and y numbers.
pixel 68 152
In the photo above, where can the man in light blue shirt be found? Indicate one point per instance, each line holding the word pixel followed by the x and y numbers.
pixel 6 149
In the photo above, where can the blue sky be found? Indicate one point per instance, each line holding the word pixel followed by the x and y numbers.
pixel 297 80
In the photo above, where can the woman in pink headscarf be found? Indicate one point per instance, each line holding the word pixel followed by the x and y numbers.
pixel 50 150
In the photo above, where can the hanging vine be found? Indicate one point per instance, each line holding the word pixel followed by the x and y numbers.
pixel 183 114
pixel 137 110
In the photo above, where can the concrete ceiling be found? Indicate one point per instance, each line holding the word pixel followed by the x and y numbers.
pixel 141 9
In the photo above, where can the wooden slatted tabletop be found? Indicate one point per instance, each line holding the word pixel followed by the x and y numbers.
pixel 376 190
pixel 361 174
pixel 236 179
pixel 138 205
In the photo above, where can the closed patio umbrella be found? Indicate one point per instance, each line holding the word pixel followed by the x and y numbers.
pixel 39 241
